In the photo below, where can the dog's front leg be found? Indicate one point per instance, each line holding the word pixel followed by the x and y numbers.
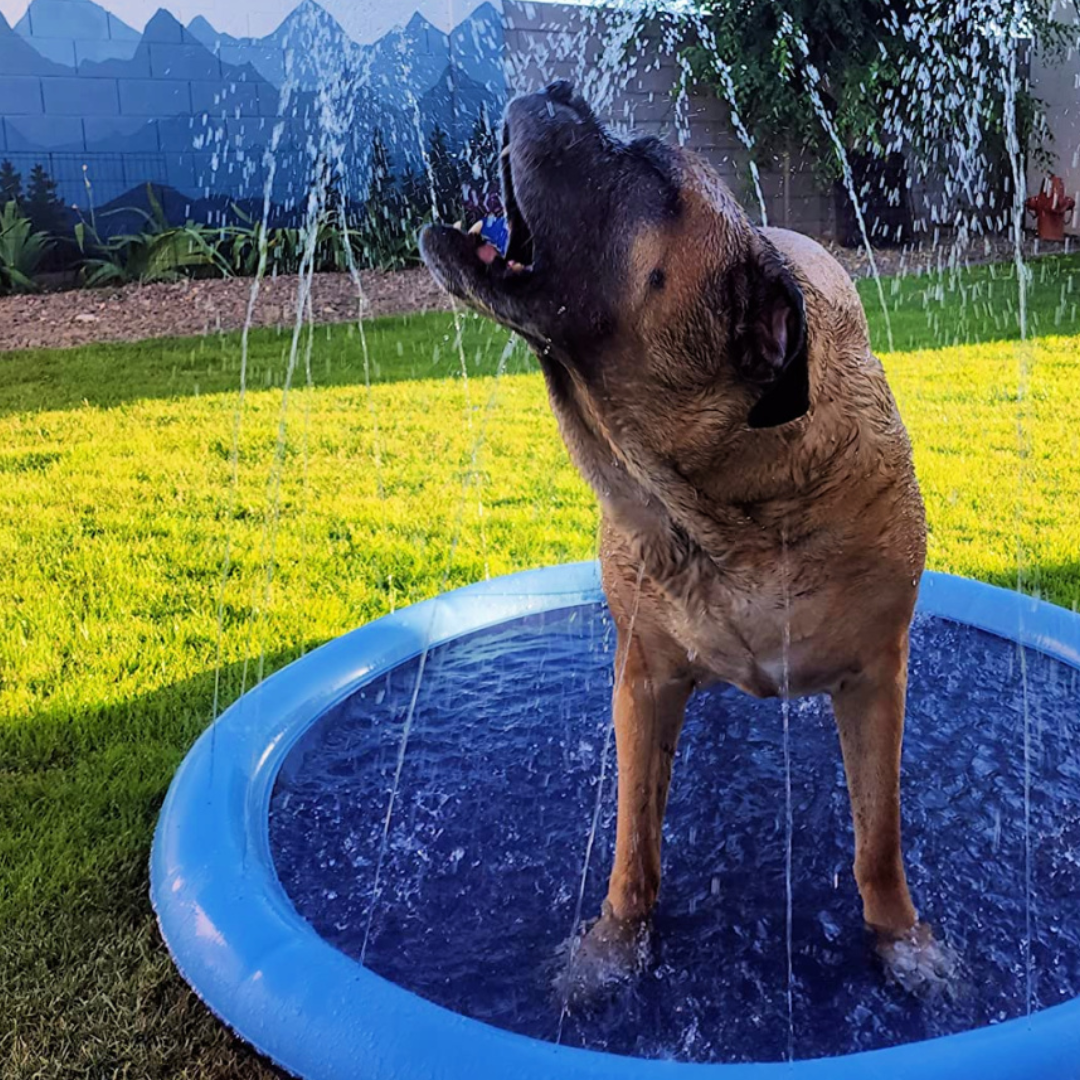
pixel 869 709
pixel 648 704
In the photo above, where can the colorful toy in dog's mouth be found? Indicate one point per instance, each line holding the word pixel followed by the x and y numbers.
pixel 492 234
pixel 495 240
pixel 495 230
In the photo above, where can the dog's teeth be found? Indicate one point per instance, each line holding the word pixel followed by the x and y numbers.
pixel 515 266
pixel 458 224
pixel 505 151
pixel 474 230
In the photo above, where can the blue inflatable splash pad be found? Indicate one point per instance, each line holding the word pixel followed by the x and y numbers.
pixel 370 866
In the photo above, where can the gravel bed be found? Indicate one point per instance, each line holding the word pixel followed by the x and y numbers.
pixel 186 308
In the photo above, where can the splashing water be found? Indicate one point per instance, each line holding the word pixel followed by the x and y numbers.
pixel 1009 48
pixel 789 817
pixel 354 275
pixel 601 77
pixel 813 80
pixel 590 840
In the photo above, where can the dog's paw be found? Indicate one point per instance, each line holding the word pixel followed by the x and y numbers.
pixel 920 964
pixel 609 955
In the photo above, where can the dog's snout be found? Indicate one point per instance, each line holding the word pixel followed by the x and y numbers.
pixel 560 91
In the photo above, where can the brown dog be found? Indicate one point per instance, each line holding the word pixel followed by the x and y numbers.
pixel 762 525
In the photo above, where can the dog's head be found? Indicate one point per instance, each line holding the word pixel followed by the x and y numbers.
pixel 631 268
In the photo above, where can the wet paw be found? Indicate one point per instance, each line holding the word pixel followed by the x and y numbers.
pixel 608 956
pixel 920 964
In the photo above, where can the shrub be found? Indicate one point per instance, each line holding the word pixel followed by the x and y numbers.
pixel 160 252
pixel 21 250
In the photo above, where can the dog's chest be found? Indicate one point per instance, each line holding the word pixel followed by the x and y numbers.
pixel 712 582
pixel 740 637
pixel 732 618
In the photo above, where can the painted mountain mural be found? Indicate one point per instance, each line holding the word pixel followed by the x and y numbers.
pixel 200 114
pixel 18 59
pixel 68 32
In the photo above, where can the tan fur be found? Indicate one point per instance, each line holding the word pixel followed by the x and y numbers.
pixel 728 548
pixel 782 559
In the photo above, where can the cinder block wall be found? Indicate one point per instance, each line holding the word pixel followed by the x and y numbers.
pixel 84 94
pixel 80 87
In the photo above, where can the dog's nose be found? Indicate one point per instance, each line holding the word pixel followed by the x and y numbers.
pixel 560 91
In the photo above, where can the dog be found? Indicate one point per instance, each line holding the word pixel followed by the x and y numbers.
pixel 761 520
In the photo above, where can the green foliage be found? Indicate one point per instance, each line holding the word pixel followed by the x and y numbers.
pixel 755 41
pixel 239 247
pixel 160 252
pixel 21 250
pixel 330 254
pixel 926 77
pixel 11 186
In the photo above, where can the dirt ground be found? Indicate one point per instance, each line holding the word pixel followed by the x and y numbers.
pixel 134 312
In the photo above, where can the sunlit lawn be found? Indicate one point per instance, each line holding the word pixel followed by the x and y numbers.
pixel 117 508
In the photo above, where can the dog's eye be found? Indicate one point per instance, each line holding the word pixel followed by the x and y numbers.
pixel 657 279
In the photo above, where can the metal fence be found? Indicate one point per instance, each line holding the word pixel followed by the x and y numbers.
pixel 87 180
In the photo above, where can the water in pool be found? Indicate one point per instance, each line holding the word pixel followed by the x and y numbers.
pixel 480 875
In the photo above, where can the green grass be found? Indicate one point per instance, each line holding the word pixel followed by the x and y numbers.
pixel 958 307
pixel 401 349
pixel 116 500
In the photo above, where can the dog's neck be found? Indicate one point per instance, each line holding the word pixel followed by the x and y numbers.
pixel 676 519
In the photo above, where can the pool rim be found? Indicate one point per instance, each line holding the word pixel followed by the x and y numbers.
pixel 317 1013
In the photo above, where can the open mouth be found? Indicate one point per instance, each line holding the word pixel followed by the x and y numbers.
pixel 519 247
pixel 512 254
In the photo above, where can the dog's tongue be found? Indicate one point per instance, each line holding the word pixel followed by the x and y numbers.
pixel 487 253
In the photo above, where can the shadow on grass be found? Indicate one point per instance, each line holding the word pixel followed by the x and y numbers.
pixel 398 349
pixel 926 311
pixel 1056 583
pixel 88 986
pixel 171 718
pixel 91 991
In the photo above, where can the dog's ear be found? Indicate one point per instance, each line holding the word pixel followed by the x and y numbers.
pixel 768 343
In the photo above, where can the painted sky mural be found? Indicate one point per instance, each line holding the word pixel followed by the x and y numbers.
pixel 365 21
pixel 195 108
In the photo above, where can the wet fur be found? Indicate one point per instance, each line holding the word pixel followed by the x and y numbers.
pixel 761 521
pixel 816 525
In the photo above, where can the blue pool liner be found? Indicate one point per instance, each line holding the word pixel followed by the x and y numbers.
pixel 261 968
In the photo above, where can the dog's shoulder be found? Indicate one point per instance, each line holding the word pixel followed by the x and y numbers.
pixel 810 260
pixel 831 296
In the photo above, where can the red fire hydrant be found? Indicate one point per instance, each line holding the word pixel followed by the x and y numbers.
pixel 1052 209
